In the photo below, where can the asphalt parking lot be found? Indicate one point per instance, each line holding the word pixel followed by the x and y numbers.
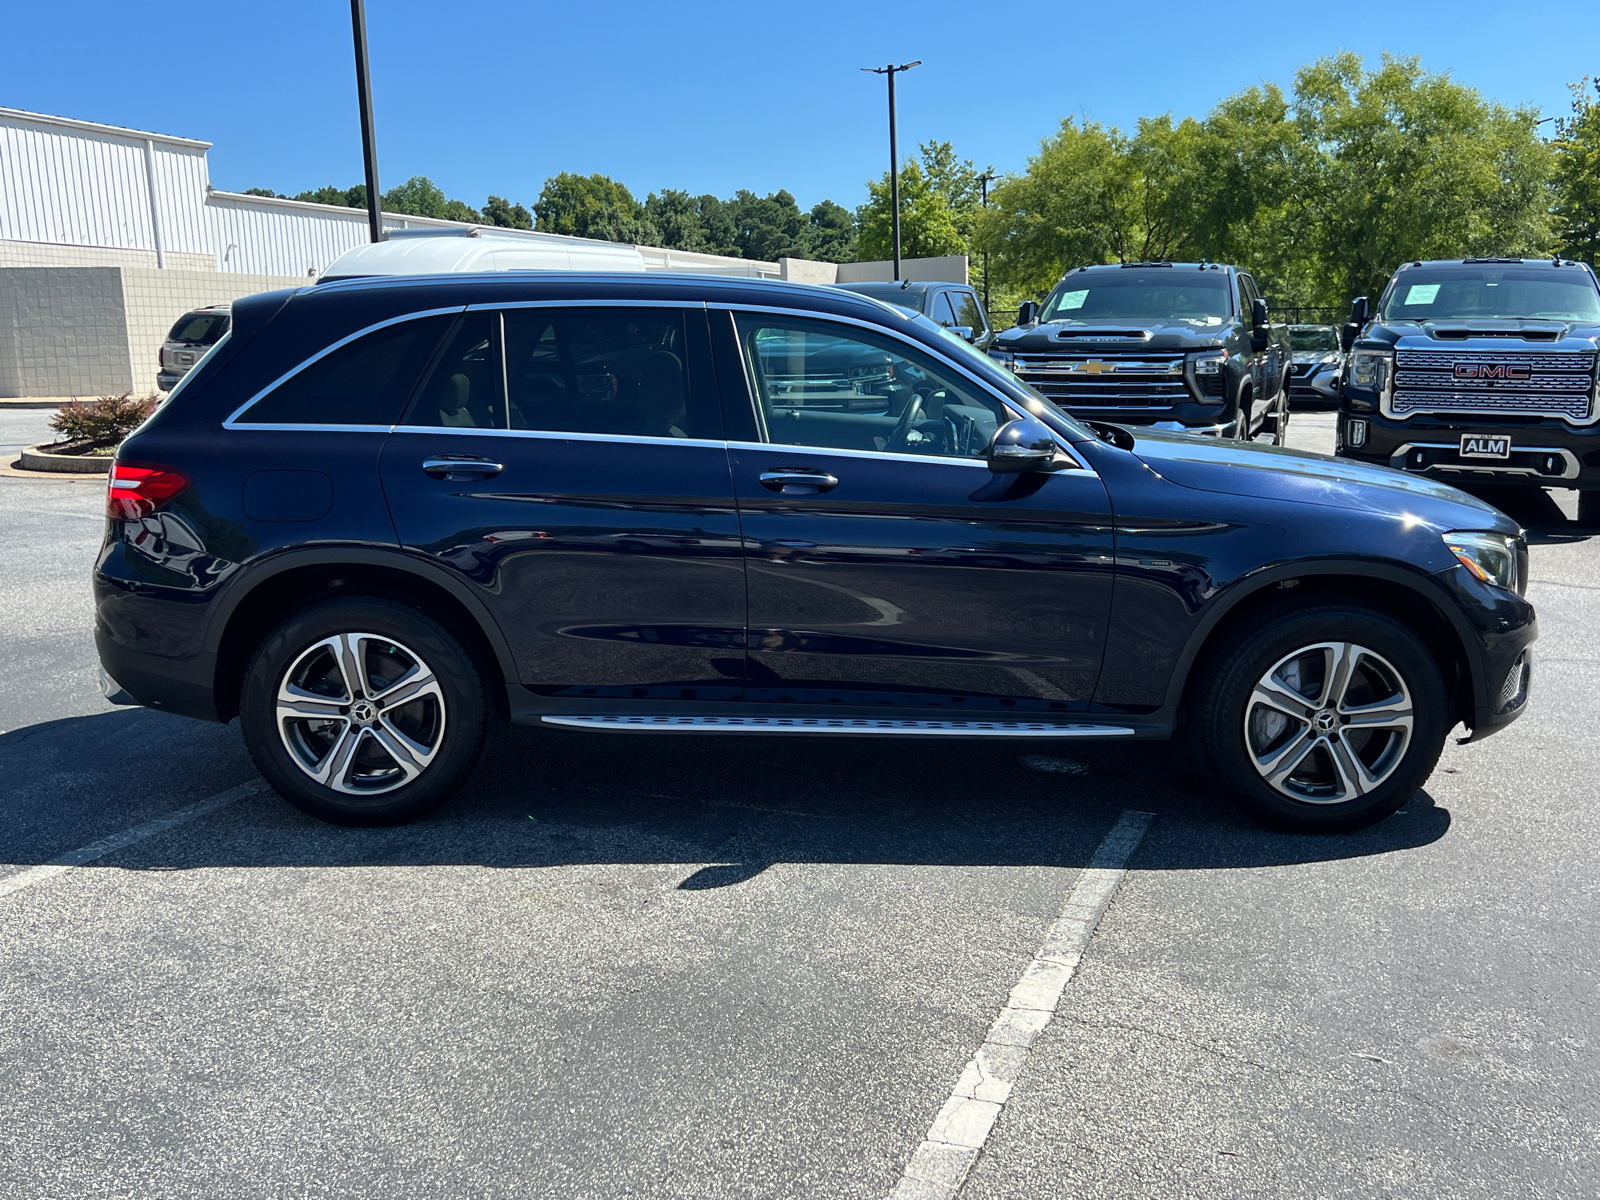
pixel 757 968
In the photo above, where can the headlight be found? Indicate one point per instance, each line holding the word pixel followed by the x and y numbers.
pixel 1492 557
pixel 1371 369
pixel 1006 358
pixel 1210 362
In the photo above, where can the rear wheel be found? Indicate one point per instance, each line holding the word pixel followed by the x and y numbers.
pixel 1323 720
pixel 363 712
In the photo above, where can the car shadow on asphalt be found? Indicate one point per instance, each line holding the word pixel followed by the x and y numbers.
pixel 738 804
pixel 1538 512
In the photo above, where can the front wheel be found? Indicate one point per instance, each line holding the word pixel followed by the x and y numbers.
pixel 1323 720
pixel 363 712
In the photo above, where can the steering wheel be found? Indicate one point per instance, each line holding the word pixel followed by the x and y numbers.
pixel 902 430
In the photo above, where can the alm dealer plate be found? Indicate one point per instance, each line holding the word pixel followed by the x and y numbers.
pixel 1479 445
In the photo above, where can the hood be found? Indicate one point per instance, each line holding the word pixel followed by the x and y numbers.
pixel 1484 334
pixel 1106 335
pixel 1249 469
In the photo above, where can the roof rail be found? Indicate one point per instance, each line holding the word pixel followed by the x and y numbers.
pixel 1147 264
pixel 1493 260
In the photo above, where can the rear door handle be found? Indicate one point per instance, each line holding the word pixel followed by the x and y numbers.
pixel 460 466
pixel 789 481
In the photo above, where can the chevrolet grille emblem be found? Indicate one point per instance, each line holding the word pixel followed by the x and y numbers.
pixel 1095 367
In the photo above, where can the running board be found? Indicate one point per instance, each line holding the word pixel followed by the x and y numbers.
pixel 869 725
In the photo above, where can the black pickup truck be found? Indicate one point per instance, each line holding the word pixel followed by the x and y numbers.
pixel 1479 370
pixel 1188 347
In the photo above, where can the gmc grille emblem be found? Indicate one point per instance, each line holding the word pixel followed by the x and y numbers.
pixel 1483 370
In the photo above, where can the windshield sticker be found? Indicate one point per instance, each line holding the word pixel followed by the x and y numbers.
pixel 1422 293
pixel 1074 299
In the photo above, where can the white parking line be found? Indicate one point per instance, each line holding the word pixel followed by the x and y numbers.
pixel 84 855
pixel 940 1166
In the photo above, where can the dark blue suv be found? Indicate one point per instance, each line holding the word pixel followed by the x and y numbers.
pixel 382 514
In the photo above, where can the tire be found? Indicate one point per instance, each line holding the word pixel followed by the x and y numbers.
pixel 1589 509
pixel 1280 427
pixel 387 748
pixel 1319 771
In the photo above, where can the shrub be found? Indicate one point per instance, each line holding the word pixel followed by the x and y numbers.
pixel 105 421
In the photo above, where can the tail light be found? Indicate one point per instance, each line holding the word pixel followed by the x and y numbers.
pixel 137 489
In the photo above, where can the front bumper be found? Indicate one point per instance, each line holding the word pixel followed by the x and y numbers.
pixel 1544 453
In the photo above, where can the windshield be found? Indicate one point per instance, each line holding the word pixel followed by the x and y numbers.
pixel 1472 293
pixel 199 329
pixel 975 360
pixel 1317 337
pixel 1153 294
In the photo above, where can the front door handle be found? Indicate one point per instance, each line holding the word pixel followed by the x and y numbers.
pixel 789 481
pixel 460 466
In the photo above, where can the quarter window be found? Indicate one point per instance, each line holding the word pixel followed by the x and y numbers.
pixel 969 313
pixel 363 383
pixel 466 388
pixel 840 387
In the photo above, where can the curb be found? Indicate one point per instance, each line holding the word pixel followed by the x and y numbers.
pixel 40 460
pixel 14 470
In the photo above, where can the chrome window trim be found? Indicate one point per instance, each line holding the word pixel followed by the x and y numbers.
pixel 809 314
pixel 843 452
pixel 231 421
pixel 558 435
pixel 503 305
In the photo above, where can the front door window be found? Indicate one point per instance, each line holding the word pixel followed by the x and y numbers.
pixel 840 387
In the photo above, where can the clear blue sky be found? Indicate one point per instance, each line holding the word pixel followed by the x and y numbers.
pixel 495 96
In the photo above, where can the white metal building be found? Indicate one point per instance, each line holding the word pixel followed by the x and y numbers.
pixel 108 235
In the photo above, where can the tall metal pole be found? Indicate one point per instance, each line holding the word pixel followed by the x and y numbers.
pixel 369 140
pixel 894 178
pixel 894 157
pixel 983 182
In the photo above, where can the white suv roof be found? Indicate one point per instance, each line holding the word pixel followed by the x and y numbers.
pixel 481 249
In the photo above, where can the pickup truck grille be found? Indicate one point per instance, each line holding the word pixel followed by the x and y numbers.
pixel 1119 379
pixel 1540 383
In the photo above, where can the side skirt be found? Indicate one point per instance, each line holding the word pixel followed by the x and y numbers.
pixel 878 726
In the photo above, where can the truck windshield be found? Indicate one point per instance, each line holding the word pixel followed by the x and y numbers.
pixel 1469 293
pixel 1157 294
pixel 1316 338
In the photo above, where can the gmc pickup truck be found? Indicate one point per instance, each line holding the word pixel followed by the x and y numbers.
pixel 1481 369
pixel 1188 347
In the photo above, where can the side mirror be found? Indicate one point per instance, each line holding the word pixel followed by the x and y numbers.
pixel 1025 444
pixel 1027 312
pixel 1258 313
pixel 1360 310
pixel 964 332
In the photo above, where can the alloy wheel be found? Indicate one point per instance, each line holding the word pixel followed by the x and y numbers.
pixel 360 713
pixel 1328 723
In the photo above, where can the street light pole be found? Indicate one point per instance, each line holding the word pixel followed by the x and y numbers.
pixel 369 142
pixel 894 157
pixel 983 183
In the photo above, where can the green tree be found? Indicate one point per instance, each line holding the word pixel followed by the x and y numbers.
pixel 593 206
pixel 267 192
pixel 1577 174
pixel 957 182
pixel 927 226
pixel 830 234
pixel 676 216
pixel 1410 165
pixel 1071 207
pixel 500 211
pixel 766 227
pixel 418 196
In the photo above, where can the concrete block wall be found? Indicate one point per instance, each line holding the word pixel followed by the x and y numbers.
pixel 47 254
pixel 155 299
pixel 63 332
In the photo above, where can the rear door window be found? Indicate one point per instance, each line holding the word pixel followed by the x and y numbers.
pixel 600 370
pixel 942 310
pixel 365 382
